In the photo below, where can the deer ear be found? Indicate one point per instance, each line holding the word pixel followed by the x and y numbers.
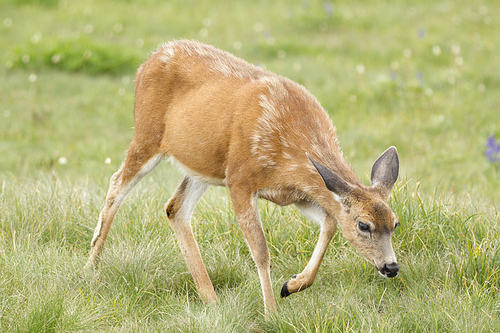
pixel 333 182
pixel 385 171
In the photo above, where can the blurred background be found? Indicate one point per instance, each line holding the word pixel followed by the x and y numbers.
pixel 421 75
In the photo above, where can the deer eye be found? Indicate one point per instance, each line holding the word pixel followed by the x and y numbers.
pixel 363 227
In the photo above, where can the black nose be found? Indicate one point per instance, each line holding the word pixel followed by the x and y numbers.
pixel 390 270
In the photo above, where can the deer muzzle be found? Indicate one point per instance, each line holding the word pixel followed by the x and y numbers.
pixel 390 270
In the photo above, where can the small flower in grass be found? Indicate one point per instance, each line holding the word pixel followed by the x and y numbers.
pixel 258 27
pixel 7 22
pixel 328 7
pixel 207 22
pixel 36 37
pixel 107 161
pixel 87 11
pixel 62 161
pixel 420 76
pixel 492 149
pixel 360 69
pixel 237 45
pixel 203 32
pixel 436 50
pixel 139 42
pixel 88 28
pixel 87 54
pixel 56 58
pixel 118 27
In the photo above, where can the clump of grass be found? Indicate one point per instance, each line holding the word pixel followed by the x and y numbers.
pixel 447 251
pixel 43 317
pixel 44 3
pixel 81 54
pixel 48 313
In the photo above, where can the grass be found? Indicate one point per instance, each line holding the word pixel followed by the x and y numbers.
pixel 418 75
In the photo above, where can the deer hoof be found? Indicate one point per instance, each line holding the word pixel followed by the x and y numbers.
pixel 284 290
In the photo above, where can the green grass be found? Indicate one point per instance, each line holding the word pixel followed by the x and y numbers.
pixel 422 76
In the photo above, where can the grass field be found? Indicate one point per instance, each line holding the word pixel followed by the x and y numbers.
pixel 421 75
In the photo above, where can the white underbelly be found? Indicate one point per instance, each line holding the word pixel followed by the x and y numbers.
pixel 196 176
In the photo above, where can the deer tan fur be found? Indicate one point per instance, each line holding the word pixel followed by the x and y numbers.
pixel 226 122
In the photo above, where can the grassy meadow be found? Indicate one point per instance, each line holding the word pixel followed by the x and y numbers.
pixel 423 76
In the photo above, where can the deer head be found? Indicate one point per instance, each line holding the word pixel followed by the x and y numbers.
pixel 365 218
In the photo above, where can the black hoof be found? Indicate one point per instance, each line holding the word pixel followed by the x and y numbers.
pixel 284 290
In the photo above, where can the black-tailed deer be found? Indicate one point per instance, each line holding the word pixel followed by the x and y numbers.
pixel 226 122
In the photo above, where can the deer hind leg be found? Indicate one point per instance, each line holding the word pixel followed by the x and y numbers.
pixel 305 279
pixel 247 214
pixel 179 210
pixel 135 167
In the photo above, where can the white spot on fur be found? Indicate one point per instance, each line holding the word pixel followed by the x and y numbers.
pixel 219 61
pixel 287 155
pixel 269 128
pixel 166 53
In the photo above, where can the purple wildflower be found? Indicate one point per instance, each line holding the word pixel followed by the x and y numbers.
pixel 420 77
pixel 328 7
pixel 492 149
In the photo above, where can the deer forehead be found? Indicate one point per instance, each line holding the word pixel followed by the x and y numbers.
pixel 376 211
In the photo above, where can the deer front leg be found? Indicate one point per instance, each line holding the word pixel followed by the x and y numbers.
pixel 306 278
pixel 247 214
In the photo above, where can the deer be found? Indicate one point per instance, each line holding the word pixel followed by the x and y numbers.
pixel 226 122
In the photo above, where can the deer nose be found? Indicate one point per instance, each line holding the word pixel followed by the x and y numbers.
pixel 390 270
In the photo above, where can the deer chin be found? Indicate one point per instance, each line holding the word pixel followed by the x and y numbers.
pixel 386 270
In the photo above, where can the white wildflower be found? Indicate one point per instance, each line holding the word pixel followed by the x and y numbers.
pixel 436 50
pixel 360 69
